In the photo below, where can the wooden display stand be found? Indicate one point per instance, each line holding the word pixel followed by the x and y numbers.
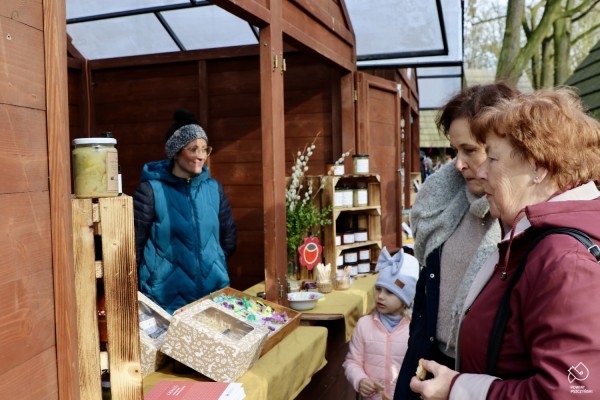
pixel 110 219
pixel 368 217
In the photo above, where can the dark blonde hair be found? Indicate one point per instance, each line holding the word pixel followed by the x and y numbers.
pixel 551 129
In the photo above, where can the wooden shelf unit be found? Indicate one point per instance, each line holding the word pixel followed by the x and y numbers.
pixel 110 220
pixel 368 217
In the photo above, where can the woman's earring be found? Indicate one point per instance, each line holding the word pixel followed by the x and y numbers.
pixel 536 179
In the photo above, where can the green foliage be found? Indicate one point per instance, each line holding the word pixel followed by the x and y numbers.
pixel 304 220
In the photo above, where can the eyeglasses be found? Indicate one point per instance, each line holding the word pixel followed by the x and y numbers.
pixel 202 150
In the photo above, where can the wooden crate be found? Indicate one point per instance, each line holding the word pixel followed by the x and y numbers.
pixel 110 220
pixel 275 337
pixel 368 217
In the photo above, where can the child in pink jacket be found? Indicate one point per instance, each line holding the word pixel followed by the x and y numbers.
pixel 380 339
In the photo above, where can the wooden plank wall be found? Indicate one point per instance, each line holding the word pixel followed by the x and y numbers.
pixel 27 325
pixel 136 102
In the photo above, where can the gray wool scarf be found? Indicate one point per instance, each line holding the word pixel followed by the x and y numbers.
pixel 439 207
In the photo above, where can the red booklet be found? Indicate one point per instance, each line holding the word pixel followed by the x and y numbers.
pixel 192 390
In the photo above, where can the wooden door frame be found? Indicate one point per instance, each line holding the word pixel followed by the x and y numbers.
pixel 59 169
pixel 364 82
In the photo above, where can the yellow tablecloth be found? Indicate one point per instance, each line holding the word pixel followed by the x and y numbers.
pixel 351 303
pixel 280 374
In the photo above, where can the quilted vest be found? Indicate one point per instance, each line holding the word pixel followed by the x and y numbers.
pixel 183 258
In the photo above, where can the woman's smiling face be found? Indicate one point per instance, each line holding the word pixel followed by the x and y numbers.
pixel 469 154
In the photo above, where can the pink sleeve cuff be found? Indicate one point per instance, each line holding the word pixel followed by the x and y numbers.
pixel 452 384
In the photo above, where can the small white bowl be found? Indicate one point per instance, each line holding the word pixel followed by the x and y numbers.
pixel 302 301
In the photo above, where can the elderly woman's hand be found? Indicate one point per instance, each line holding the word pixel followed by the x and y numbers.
pixel 437 388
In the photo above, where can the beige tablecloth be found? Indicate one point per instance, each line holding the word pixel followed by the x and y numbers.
pixel 351 304
pixel 280 374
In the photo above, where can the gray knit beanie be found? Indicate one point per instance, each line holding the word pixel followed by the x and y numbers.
pixel 398 274
pixel 184 130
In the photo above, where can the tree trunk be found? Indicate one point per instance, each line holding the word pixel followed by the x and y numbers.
pixel 547 66
pixel 511 69
pixel 562 46
pixel 512 38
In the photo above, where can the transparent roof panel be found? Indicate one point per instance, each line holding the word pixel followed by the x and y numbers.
pixel 404 28
pixel 434 92
pixel 429 24
pixel 209 27
pixel 389 33
pixel 87 8
pixel 439 71
pixel 120 37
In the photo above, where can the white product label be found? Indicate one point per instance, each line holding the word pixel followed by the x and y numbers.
pixel 149 326
pixel 362 166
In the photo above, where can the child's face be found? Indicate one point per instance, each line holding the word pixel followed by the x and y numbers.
pixel 387 303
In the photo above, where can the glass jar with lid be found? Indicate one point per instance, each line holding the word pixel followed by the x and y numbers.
pixel 361 195
pixel 360 163
pixel 95 167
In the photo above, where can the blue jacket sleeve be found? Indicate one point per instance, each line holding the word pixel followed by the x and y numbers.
pixel 228 228
pixel 143 212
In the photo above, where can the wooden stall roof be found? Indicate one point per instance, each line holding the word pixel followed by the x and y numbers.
pixel 585 78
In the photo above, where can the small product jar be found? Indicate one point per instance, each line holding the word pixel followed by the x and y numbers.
pixel 95 168
pixel 352 268
pixel 335 169
pixel 350 256
pixel 361 195
pixel 338 196
pixel 348 237
pixel 338 239
pixel 339 261
pixel 361 164
pixel 361 235
pixel 342 196
pixel 364 267
pixel 364 254
pixel 348 196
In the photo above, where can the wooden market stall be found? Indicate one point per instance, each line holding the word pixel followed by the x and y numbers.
pixel 256 115
pixel 245 106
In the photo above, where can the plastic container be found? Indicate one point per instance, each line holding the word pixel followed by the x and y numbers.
pixel 95 167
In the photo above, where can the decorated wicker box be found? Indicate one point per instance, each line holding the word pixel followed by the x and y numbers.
pixel 279 320
pixel 214 341
pixel 154 322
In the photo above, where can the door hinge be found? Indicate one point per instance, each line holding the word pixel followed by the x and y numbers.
pixel 355 95
pixel 279 62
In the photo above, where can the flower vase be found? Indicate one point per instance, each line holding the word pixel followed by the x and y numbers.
pixel 293 274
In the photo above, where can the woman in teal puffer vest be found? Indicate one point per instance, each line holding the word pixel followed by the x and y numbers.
pixel 184 226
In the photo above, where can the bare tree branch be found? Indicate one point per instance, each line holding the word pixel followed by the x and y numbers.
pixel 586 33
pixel 580 11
